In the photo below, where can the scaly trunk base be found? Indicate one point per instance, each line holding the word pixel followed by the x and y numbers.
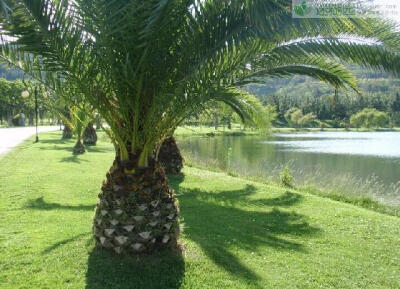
pixel 79 148
pixel 137 211
pixel 170 156
pixel 67 133
pixel 89 135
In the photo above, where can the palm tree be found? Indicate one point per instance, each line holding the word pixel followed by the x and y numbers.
pixel 146 65
pixel 79 119
pixel 251 112
pixel 89 135
pixel 67 132
pixel 170 156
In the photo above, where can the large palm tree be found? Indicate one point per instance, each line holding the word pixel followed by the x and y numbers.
pixel 146 65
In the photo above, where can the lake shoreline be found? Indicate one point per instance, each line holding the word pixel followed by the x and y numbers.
pixel 236 130
pixel 301 130
pixel 365 202
pixel 358 184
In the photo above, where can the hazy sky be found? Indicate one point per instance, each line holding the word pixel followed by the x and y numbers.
pixel 388 3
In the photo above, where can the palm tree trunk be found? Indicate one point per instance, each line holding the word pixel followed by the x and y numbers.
pixel 137 211
pixel 170 156
pixel 79 148
pixel 67 133
pixel 89 135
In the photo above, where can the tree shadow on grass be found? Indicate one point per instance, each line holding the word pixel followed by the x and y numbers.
pixel 161 270
pixel 64 242
pixel 228 221
pixel 41 204
pixel 97 149
pixel 72 159
pixel 68 148
pixel 164 269
pixel 224 224
pixel 57 141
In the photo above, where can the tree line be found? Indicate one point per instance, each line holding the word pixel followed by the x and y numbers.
pixel 324 105
pixel 17 97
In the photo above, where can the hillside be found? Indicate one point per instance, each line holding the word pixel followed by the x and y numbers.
pixel 378 90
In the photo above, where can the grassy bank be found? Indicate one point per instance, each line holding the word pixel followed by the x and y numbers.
pixel 211 131
pixel 368 194
pixel 237 233
pixel 237 130
pixel 356 198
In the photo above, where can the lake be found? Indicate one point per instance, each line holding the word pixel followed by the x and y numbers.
pixel 358 162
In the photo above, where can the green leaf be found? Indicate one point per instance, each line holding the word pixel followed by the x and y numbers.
pixel 299 10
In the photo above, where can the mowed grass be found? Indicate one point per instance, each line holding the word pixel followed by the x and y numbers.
pixel 237 233
pixel 236 130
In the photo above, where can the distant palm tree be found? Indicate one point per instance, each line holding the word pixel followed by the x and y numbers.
pixel 89 135
pixel 146 65
pixel 78 121
pixel 170 156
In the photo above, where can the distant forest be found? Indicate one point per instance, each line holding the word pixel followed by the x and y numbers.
pixel 379 91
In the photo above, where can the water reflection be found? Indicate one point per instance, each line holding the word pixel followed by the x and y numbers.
pixel 360 159
pixel 386 144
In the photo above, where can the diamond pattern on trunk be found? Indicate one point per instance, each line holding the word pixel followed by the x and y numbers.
pixel 136 210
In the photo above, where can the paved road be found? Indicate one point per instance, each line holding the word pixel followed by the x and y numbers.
pixel 11 137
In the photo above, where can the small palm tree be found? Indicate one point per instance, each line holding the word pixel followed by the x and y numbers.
pixel 251 112
pixel 65 114
pixel 146 65
pixel 170 156
pixel 79 118
pixel 89 135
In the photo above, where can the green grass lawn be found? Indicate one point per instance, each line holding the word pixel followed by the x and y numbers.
pixel 236 130
pixel 237 233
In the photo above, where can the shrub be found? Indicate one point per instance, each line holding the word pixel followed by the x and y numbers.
pixel 307 120
pixel 369 117
pixel 296 118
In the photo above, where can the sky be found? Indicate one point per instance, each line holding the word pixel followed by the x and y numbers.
pixel 395 3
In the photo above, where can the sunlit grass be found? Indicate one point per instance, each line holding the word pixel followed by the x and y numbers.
pixel 237 233
pixel 238 130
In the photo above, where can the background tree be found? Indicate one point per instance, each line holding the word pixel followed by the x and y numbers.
pixel 377 90
pixel 12 102
pixel 370 118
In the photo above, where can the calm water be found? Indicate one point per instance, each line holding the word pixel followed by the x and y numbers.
pixel 360 162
